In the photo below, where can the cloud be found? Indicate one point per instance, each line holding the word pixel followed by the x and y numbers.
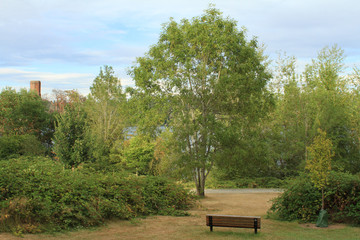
pixel 37 36
pixel 9 71
pixel 127 82
pixel 50 80
pixel 65 26
pixel 64 81
pixel 42 75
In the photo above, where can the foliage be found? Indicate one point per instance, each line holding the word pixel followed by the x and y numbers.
pixel 87 129
pixel 138 153
pixel 165 197
pixel 147 112
pixel 246 182
pixel 24 113
pixel 288 123
pixel 142 155
pixel 64 98
pixel 207 78
pixel 248 153
pixel 319 161
pixel 71 142
pixel 105 114
pixel 38 194
pixel 165 157
pixel 322 96
pixel 20 145
pixel 301 201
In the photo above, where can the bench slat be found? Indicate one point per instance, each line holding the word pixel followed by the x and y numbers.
pixel 245 224
pixel 232 216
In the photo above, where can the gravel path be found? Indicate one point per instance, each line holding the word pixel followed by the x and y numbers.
pixel 245 190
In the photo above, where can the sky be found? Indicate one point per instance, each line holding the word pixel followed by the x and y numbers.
pixel 64 43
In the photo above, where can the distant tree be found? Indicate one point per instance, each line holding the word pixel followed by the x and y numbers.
pixel 71 141
pixel 207 77
pixel 138 153
pixel 22 112
pixel 354 158
pixel 63 98
pixel 25 113
pixel 105 112
pixel 330 96
pixel 323 96
pixel 165 158
pixel 290 124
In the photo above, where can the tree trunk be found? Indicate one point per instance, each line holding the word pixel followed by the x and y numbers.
pixel 199 179
pixel 322 199
pixel 200 191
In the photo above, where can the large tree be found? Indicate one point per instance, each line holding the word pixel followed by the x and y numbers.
pixel 210 79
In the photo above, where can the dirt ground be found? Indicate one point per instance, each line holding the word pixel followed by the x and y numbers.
pixel 165 227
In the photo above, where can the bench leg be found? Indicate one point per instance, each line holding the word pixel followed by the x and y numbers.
pixel 255 225
pixel 210 223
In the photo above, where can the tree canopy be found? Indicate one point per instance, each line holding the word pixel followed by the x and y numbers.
pixel 210 78
pixel 22 112
pixel 25 113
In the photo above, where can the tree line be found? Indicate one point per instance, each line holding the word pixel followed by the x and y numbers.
pixel 206 100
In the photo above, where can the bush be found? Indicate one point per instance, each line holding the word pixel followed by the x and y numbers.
pixel 164 197
pixel 20 145
pixel 38 194
pixel 302 201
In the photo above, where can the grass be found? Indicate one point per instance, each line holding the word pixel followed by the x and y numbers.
pixel 193 227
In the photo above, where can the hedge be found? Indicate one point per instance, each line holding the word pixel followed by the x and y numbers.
pixel 38 194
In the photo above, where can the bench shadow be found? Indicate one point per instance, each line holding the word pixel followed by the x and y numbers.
pixel 240 235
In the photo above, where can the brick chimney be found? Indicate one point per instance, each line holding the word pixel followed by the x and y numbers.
pixel 36 86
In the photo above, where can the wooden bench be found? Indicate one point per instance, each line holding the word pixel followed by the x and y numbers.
pixel 214 220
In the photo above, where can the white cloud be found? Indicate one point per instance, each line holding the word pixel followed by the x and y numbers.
pixel 127 82
pixel 43 75
pixel 50 80
pixel 11 71
pixel 64 81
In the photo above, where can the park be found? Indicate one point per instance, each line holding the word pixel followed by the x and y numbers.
pixel 193 226
pixel 210 128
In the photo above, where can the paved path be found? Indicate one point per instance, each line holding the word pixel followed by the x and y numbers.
pixel 245 190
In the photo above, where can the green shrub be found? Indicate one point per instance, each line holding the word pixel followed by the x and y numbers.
pixel 38 194
pixel 343 197
pixel 159 193
pixel 302 201
pixel 20 145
